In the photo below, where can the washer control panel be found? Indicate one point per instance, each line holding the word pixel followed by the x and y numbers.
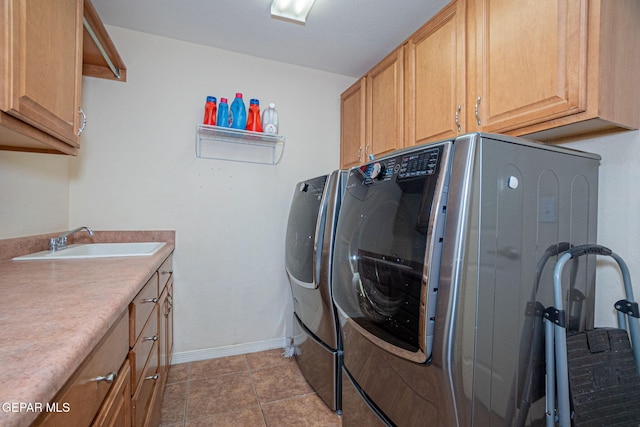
pixel 407 166
pixel 419 164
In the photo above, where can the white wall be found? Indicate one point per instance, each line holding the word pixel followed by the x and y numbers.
pixel 34 193
pixel 137 169
pixel 618 216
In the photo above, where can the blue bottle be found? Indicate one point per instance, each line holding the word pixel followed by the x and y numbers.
pixel 238 113
pixel 223 113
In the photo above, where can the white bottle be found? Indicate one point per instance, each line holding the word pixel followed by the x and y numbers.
pixel 270 119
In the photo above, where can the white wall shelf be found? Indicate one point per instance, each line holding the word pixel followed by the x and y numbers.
pixel 213 142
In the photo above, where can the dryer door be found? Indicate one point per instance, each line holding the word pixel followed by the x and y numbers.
pixel 304 228
pixel 384 249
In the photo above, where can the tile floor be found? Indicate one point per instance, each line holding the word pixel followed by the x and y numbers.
pixel 257 389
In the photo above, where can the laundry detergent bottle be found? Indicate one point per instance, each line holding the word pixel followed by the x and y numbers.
pixel 238 113
pixel 270 119
pixel 223 113
pixel 253 117
pixel 210 111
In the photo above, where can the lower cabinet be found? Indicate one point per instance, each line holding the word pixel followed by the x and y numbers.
pixel 151 319
pixel 116 409
pixel 147 396
pixel 122 381
pixel 166 329
pixel 86 391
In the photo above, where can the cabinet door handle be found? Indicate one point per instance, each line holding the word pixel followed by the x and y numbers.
pixel 477 110
pixel 109 378
pixel 153 338
pixel 84 121
pixel 458 118
pixel 151 300
pixel 151 377
pixel 359 153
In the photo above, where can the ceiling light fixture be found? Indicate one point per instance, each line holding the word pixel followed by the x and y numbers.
pixel 291 10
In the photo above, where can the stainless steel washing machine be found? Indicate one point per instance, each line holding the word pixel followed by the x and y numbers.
pixel 434 277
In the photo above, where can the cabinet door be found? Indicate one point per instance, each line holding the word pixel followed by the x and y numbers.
pixel 169 324
pixel 435 78
pixel 530 62
pixel 352 124
pixel 43 51
pixel 78 402
pixel 385 106
pixel 166 327
pixel 116 409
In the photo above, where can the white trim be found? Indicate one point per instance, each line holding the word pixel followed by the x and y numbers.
pixel 229 350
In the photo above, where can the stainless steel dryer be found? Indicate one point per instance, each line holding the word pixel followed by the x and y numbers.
pixel 435 276
pixel 309 248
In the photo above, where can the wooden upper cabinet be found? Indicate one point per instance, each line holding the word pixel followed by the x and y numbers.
pixel 42 47
pixel 352 124
pixel 385 109
pixel 545 69
pixel 540 66
pixel 435 78
pixel 44 51
pixel 371 113
pixel 528 61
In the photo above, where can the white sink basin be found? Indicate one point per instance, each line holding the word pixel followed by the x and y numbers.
pixel 97 250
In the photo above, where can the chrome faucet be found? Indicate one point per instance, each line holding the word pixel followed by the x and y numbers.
pixel 60 242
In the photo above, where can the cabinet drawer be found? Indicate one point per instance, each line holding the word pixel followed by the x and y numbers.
pixel 82 396
pixel 143 346
pixel 116 410
pixel 165 271
pixel 142 306
pixel 144 395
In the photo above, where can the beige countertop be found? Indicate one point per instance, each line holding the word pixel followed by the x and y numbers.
pixel 52 314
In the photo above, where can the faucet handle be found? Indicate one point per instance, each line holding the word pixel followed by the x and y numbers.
pixel 56 243
pixel 60 242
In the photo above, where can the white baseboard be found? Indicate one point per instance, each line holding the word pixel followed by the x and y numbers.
pixel 229 350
